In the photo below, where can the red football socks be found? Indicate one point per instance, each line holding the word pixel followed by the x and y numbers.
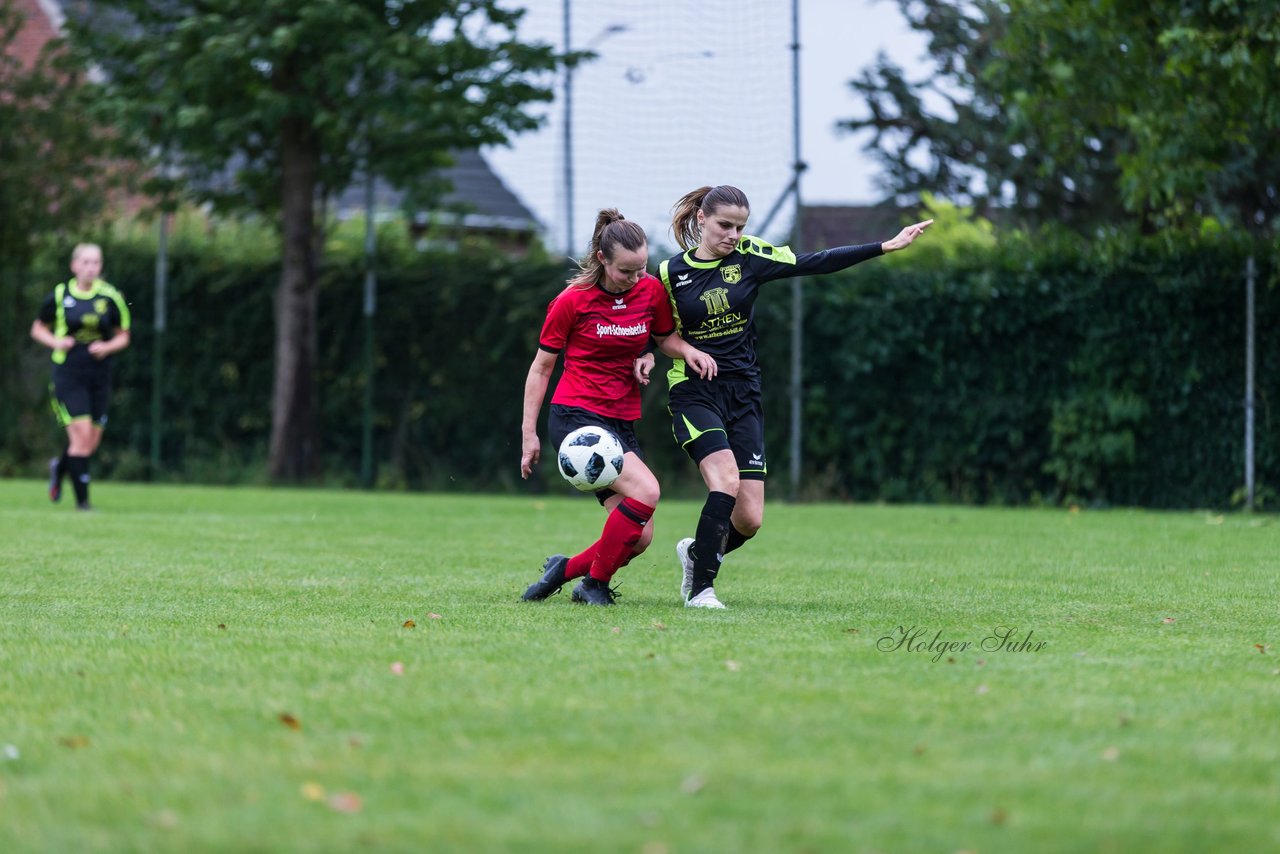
pixel 621 532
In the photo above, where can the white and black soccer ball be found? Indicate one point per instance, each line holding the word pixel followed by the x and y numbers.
pixel 590 458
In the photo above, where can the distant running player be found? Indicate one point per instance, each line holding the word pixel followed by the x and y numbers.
pixel 84 322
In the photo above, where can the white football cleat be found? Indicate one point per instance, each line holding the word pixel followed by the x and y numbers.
pixel 705 599
pixel 686 567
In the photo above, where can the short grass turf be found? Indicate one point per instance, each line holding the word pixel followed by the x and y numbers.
pixel 200 669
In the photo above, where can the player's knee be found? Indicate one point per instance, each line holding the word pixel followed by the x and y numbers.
pixel 721 477
pixel 750 525
pixel 649 492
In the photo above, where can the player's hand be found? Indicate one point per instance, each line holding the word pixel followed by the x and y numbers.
pixel 702 364
pixel 905 237
pixel 643 367
pixel 530 451
pixel 99 350
pixel 64 343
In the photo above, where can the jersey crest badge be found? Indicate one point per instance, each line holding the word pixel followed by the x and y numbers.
pixel 732 274
pixel 716 300
pixel 100 306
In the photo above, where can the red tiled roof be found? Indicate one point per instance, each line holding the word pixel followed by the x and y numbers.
pixel 37 30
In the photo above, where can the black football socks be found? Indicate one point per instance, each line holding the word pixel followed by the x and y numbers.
pixel 710 540
pixel 736 539
pixel 78 468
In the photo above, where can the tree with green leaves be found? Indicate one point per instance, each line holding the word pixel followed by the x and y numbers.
pixel 1192 87
pixel 1087 114
pixel 949 129
pixel 272 105
pixel 53 177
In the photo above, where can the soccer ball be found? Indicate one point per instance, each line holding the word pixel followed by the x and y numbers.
pixel 590 458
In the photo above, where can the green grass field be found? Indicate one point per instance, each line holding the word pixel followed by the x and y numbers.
pixel 198 669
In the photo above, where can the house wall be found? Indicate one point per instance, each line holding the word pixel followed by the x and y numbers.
pixel 41 20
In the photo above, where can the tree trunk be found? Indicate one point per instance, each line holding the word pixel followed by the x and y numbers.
pixel 294 433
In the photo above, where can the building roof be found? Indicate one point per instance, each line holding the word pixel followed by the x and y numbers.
pixel 478 196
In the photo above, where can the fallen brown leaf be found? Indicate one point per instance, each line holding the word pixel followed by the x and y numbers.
pixel 290 721
pixel 346 802
pixel 408 624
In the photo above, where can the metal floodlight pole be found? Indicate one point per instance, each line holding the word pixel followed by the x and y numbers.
pixel 570 68
pixel 1249 357
pixel 370 307
pixel 797 284
pixel 161 324
pixel 568 134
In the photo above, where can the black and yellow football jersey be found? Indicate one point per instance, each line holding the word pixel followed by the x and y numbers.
pixel 715 300
pixel 87 316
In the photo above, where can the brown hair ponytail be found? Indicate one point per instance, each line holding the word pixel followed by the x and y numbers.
pixel 684 214
pixel 612 230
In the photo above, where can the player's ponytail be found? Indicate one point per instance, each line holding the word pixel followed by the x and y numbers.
pixel 612 230
pixel 684 214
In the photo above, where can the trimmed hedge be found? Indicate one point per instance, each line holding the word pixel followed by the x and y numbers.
pixel 1053 374
pixel 1032 373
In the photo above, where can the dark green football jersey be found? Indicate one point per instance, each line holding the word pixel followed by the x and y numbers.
pixel 714 301
pixel 87 316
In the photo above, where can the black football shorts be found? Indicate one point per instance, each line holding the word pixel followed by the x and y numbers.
pixel 721 414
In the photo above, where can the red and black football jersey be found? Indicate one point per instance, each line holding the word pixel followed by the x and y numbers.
pixel 601 334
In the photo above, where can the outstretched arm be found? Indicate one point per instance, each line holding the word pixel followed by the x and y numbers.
pixel 778 262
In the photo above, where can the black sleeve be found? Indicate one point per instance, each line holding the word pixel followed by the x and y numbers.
pixel 48 312
pixel 834 260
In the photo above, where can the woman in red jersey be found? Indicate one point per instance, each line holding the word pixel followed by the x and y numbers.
pixel 602 323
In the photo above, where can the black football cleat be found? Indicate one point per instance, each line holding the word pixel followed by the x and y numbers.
pixel 550 582
pixel 594 592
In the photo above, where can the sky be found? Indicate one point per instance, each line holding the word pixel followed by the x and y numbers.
pixel 687 93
